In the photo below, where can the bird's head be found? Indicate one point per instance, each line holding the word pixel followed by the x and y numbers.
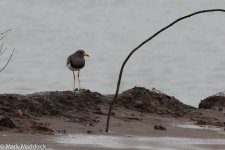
pixel 81 53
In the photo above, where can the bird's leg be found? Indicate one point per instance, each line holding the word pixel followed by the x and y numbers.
pixel 79 79
pixel 73 81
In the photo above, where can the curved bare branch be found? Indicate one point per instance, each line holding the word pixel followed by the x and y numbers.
pixel 3 34
pixel 8 60
pixel 144 42
pixel 3 51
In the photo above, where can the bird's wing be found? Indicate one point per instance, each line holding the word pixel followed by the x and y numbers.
pixel 77 62
pixel 68 60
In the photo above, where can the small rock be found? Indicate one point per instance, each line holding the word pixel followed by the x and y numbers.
pixel 159 127
pixel 113 113
pixel 41 129
pixel 1 116
pixel 89 131
pixel 89 124
pixel 202 122
pixel 67 120
pixel 220 109
pixel 133 118
pixel 20 113
pixel 62 131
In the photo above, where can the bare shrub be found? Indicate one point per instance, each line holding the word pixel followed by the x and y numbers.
pixel 4 49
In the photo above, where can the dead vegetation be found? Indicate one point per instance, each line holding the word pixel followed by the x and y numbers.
pixel 3 49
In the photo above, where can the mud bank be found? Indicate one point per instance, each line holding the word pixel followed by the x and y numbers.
pixel 216 102
pixel 51 112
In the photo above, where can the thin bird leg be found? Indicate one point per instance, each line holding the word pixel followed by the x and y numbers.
pixel 73 81
pixel 79 79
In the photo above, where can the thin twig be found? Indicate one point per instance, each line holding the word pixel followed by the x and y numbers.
pixel 8 60
pixel 5 31
pixel 3 34
pixel 1 47
pixel 135 49
pixel 2 37
pixel 3 51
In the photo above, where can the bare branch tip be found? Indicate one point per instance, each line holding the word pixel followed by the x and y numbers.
pixel 5 31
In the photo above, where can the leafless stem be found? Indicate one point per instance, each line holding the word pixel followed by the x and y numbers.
pixel 2 37
pixel 8 60
pixel 1 47
pixel 3 34
pixel 3 51
pixel 144 42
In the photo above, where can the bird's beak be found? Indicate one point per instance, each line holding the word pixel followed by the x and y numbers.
pixel 85 54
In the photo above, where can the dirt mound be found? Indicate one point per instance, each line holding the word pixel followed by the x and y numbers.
pixel 213 102
pixel 84 107
pixel 144 100
pixel 59 103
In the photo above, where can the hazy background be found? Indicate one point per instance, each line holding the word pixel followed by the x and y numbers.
pixel 187 61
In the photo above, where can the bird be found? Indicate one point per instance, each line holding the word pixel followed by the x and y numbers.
pixel 76 62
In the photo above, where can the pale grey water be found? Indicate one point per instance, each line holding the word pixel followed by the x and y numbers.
pixel 186 61
pixel 139 142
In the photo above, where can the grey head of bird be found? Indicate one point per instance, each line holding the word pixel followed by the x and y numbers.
pixel 81 53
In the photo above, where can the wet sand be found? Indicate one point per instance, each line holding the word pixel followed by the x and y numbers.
pixel 124 134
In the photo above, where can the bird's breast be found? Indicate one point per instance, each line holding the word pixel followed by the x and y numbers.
pixel 74 67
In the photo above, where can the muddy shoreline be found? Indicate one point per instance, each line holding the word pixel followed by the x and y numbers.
pixel 34 113
pixel 44 117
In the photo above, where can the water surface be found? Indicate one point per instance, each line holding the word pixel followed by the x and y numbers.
pixel 139 142
pixel 186 61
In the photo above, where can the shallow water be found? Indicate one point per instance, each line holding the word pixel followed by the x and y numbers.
pixel 190 125
pixel 139 142
pixel 186 61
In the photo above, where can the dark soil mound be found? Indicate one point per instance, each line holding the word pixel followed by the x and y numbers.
pixel 82 107
pixel 144 100
pixel 213 102
pixel 23 112
pixel 66 103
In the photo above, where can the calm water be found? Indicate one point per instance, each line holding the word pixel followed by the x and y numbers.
pixel 186 61
pixel 139 142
